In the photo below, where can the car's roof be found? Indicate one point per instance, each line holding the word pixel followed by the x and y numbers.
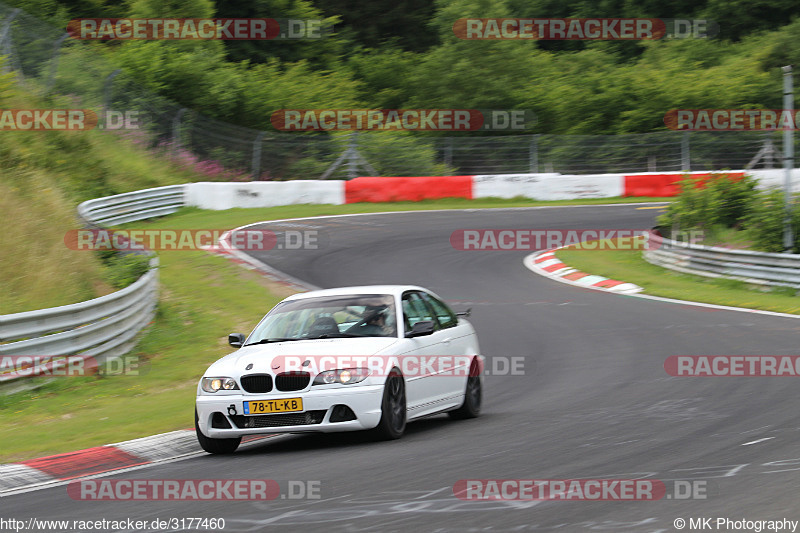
pixel 361 289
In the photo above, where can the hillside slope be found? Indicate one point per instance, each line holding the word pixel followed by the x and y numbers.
pixel 43 176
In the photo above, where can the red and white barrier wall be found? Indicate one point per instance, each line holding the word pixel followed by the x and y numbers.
pixel 552 186
pixel 226 195
pixel 387 189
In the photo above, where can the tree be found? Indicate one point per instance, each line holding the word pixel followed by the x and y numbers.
pixel 401 23
pixel 320 53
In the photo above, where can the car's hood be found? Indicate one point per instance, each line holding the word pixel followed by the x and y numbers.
pixel 261 356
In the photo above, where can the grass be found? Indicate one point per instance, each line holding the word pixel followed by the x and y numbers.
pixel 43 175
pixel 717 236
pixel 41 271
pixel 629 266
pixel 203 298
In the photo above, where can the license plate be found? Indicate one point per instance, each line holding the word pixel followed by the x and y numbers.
pixel 260 407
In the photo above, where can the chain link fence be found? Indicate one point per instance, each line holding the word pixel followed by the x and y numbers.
pixel 49 63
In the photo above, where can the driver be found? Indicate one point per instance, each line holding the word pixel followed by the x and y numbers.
pixel 374 322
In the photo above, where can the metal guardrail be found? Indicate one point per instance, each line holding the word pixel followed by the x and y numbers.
pixel 102 328
pixel 132 206
pixel 760 268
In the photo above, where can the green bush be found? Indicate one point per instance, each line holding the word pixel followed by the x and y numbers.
pixel 718 201
pixel 764 223
pixel 721 202
pixel 125 269
pixel 729 199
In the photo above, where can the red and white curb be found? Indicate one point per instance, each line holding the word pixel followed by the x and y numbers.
pixel 545 263
pixel 60 469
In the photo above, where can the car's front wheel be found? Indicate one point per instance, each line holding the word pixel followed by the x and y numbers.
pixel 473 395
pixel 215 445
pixel 393 408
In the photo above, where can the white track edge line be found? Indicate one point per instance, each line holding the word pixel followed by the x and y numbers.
pixel 528 261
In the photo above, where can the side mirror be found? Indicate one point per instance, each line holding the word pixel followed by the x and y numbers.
pixel 465 313
pixel 423 327
pixel 236 339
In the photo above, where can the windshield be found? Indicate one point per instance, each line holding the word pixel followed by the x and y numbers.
pixel 365 315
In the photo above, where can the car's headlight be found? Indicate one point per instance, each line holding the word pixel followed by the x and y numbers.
pixel 215 384
pixel 345 376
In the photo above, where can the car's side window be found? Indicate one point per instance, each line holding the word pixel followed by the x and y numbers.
pixel 415 310
pixel 446 317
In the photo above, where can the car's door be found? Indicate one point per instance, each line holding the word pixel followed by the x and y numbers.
pixel 428 371
pixel 451 340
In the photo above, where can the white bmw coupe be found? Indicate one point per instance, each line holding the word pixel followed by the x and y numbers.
pixel 349 359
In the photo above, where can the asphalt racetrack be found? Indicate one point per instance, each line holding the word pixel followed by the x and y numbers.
pixel 593 401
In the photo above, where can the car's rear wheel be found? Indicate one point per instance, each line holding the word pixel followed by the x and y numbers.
pixel 473 395
pixel 393 408
pixel 215 445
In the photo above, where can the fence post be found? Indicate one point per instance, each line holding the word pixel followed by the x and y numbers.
pixel 51 78
pixel 769 152
pixel 788 161
pixel 448 151
pixel 533 154
pixel 686 161
pixel 109 81
pixel 352 149
pixel 176 129
pixel 5 38
pixel 256 166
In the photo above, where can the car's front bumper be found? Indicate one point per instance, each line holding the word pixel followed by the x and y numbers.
pixel 318 406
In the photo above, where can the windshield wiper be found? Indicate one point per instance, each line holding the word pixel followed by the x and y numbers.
pixel 335 336
pixel 267 341
pixel 323 336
